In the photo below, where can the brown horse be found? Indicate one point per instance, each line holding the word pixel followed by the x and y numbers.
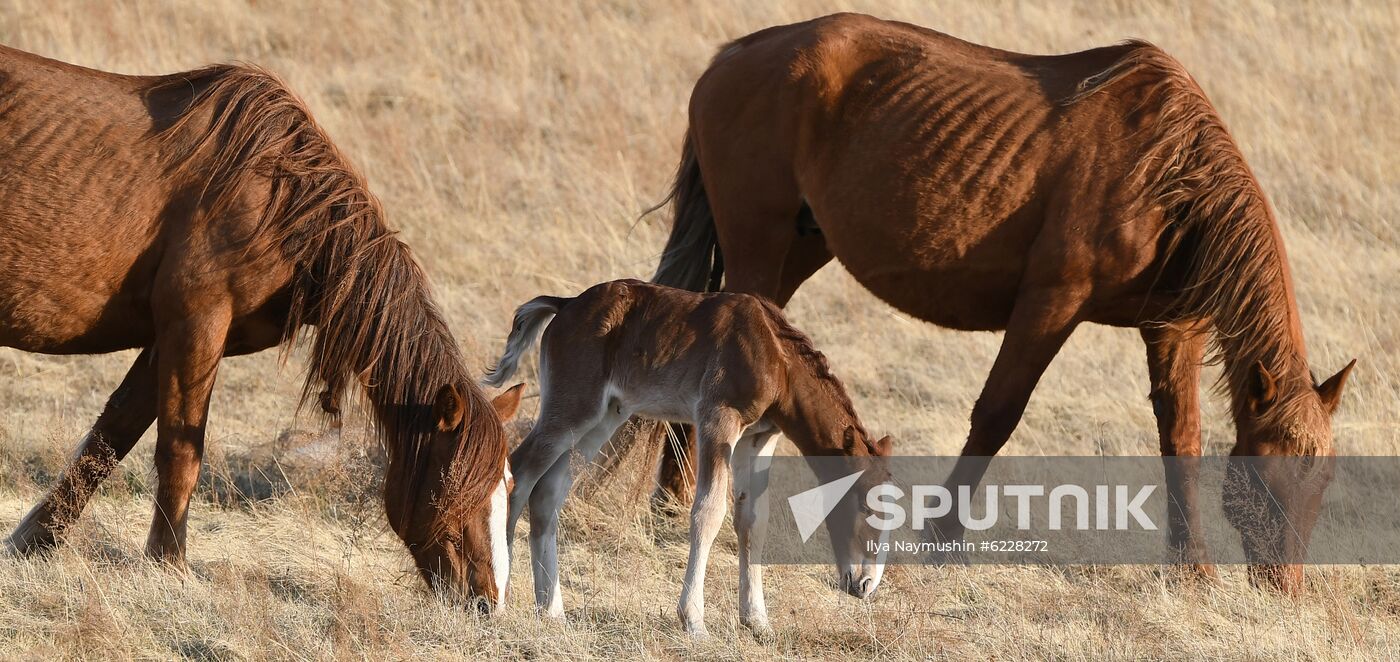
pixel 205 214
pixel 728 363
pixel 981 189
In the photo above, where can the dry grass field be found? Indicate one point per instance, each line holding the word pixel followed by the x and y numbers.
pixel 514 143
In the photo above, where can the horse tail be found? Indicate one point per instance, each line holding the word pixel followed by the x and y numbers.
pixel 691 260
pixel 529 319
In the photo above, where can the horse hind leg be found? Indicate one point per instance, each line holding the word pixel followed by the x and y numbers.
pixel 560 426
pixel 128 413
pixel 546 500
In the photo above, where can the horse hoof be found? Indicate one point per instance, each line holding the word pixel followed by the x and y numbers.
pixel 1203 572
pixel 762 632
pixel 1198 573
pixel 167 559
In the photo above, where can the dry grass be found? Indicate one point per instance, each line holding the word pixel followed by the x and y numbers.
pixel 514 144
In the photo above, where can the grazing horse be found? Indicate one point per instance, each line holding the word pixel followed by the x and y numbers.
pixel 981 189
pixel 728 363
pixel 204 214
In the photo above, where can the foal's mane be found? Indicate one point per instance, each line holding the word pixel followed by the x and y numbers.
pixel 243 132
pixel 801 348
pixel 1191 168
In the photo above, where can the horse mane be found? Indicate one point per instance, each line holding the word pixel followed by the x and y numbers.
pixel 376 323
pixel 800 347
pixel 1217 216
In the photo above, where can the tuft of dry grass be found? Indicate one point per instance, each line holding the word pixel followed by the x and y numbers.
pixel 514 144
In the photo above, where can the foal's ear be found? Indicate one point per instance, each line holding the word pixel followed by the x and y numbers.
pixel 448 408
pixel 1331 390
pixel 508 401
pixel 884 446
pixel 1263 389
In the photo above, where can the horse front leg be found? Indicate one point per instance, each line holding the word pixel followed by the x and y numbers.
pixel 753 456
pixel 1040 323
pixel 718 433
pixel 188 351
pixel 128 413
pixel 1174 368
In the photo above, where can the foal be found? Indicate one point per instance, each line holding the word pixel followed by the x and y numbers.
pixel 728 363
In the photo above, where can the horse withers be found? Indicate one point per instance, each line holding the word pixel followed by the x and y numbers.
pixel 204 214
pixel 728 363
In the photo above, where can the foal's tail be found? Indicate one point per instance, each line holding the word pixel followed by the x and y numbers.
pixel 691 260
pixel 529 319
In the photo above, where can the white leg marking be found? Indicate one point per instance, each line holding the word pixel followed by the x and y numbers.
pixel 751 461
pixel 714 445
pixel 500 547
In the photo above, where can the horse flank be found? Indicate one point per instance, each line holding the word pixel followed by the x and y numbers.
pixel 1191 168
pixel 376 323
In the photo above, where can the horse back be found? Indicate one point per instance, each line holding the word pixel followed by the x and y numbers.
pixel 662 351
pixel 899 136
pixel 99 196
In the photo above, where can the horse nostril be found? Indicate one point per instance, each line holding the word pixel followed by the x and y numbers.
pixel 867 587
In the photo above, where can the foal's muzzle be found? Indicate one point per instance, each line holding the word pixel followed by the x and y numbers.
pixel 858 587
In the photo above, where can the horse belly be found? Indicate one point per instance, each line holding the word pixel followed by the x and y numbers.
pixel 966 300
pixel 67 317
pixel 926 256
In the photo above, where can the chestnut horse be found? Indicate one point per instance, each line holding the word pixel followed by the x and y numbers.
pixel 981 189
pixel 205 214
pixel 728 363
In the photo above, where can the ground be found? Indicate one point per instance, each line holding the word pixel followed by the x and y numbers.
pixel 514 144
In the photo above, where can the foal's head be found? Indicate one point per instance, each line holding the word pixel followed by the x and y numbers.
pixel 459 548
pixel 859 563
pixel 1283 461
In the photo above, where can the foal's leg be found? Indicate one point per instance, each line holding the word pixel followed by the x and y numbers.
pixel 546 501
pixel 753 456
pixel 718 432
pixel 188 349
pixel 1174 367
pixel 1041 321
pixel 129 411
pixel 557 430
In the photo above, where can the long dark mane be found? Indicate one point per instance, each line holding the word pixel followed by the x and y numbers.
pixel 356 283
pixel 1236 275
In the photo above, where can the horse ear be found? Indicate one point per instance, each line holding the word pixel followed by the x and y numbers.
pixel 1263 388
pixel 884 446
pixel 1331 390
pixel 508 401
pixel 448 408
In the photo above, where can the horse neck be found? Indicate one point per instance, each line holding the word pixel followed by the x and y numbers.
pixel 377 325
pixel 815 412
pixel 1262 325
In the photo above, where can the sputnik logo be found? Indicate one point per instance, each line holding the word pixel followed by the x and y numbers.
pixel 810 508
